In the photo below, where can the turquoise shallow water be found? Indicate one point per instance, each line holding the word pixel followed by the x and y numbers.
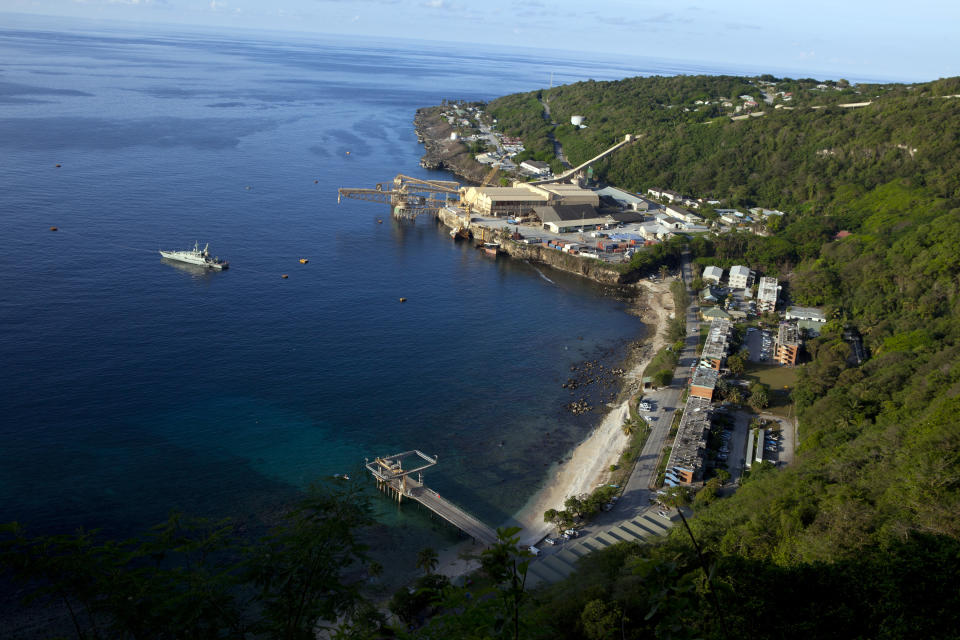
pixel 133 387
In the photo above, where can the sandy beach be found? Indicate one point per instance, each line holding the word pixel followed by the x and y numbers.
pixel 588 464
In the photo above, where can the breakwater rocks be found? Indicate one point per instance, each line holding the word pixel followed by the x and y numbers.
pixel 605 380
pixel 440 151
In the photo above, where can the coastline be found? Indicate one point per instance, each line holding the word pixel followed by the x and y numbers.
pixel 587 465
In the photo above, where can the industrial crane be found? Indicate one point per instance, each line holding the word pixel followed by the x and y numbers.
pixel 409 196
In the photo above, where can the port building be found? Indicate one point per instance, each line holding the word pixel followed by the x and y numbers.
pixel 566 218
pixel 520 199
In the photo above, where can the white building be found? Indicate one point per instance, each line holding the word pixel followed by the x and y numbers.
pixel 713 274
pixel 805 313
pixel 682 214
pixel 535 167
pixel 740 277
pixel 767 295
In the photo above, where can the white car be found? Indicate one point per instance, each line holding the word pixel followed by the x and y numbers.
pixel 532 549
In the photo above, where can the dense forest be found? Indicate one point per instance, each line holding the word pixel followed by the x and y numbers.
pixel 859 538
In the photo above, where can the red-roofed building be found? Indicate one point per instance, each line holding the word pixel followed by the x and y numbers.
pixel 841 234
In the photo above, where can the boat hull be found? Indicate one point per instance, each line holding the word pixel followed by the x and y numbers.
pixel 199 261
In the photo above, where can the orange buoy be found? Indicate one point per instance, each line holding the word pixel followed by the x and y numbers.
pixel 53 228
pixel 304 261
pixel 57 165
pixel 379 221
pixel 348 153
pixel 403 299
pixel 284 276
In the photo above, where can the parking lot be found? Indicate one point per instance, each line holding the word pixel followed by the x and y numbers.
pixel 736 441
pixel 759 343
pixel 781 450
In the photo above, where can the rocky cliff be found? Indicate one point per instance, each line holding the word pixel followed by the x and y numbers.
pixel 440 151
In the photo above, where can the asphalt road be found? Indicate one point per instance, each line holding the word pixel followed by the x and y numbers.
pixel 636 495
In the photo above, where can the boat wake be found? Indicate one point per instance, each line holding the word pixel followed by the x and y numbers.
pixel 543 275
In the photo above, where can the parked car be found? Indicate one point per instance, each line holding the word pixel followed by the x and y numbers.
pixel 551 541
pixel 532 549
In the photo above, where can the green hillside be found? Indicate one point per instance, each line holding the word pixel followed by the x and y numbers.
pixel 860 537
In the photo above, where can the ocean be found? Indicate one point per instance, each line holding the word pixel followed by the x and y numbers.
pixel 133 387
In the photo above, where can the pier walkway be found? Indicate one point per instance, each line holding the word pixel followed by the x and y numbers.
pixel 392 478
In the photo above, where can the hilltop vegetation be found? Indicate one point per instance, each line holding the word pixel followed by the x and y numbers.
pixel 797 159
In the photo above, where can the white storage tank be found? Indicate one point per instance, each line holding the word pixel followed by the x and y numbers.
pixel 576 120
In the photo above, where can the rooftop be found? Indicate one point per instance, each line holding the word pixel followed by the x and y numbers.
pixel 788 335
pixel 691 441
pixel 767 289
pixel 806 313
pixel 718 339
pixel 566 212
pixel 704 377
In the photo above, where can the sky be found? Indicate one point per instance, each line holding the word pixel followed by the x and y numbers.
pixel 826 39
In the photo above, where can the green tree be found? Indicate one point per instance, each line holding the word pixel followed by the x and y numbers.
pixel 297 568
pixel 602 620
pixel 759 396
pixel 427 560
pixel 736 362
pixel 507 566
pixel 663 378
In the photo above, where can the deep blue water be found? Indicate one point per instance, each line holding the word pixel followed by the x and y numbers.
pixel 131 387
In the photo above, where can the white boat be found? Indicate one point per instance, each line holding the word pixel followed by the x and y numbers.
pixel 196 256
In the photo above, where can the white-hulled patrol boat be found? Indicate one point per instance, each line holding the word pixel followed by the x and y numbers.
pixel 196 256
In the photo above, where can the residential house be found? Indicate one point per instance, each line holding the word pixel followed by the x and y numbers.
pixel 713 313
pixel 767 295
pixel 685 464
pixel 704 383
pixel 717 344
pixel 740 277
pixel 682 214
pixel 787 344
pixel 712 274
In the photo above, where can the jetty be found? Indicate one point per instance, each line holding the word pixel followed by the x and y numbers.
pixel 397 481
